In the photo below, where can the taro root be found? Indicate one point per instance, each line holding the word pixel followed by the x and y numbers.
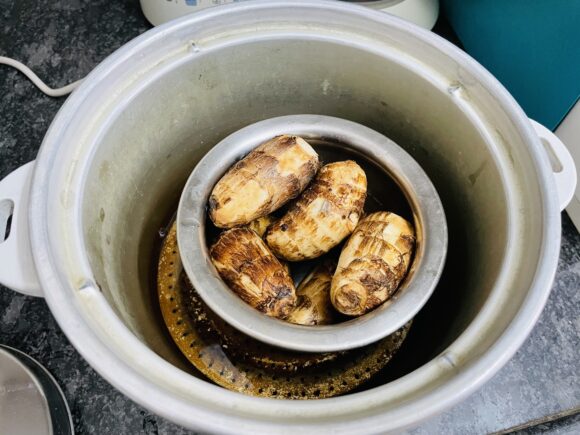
pixel 372 263
pixel 250 269
pixel 314 307
pixel 326 213
pixel 261 224
pixel 269 176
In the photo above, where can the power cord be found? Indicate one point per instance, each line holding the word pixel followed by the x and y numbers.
pixel 36 80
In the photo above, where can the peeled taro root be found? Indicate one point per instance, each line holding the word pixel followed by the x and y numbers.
pixel 326 213
pixel 313 306
pixel 372 263
pixel 269 176
pixel 249 268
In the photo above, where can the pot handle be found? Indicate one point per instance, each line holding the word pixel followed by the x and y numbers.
pixel 562 164
pixel 17 269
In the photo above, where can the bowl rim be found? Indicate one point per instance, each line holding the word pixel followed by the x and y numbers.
pixel 416 288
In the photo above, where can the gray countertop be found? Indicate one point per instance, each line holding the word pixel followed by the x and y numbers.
pixel 62 40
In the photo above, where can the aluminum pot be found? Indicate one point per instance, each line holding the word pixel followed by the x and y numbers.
pixel 116 157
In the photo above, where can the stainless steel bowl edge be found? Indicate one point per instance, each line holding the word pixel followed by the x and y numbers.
pixel 399 309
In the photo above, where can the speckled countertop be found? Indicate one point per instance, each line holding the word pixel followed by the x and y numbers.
pixel 62 40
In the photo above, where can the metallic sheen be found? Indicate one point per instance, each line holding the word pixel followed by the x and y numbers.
pixel 337 133
pixel 117 155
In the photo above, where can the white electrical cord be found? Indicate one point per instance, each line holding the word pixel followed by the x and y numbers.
pixel 36 80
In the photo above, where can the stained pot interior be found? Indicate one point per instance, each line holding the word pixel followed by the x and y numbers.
pixel 153 143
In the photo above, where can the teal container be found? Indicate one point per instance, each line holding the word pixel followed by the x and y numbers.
pixel 531 46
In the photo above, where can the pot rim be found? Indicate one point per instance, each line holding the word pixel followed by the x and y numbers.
pixel 216 409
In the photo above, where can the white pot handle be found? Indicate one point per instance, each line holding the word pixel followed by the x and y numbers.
pixel 17 269
pixel 562 164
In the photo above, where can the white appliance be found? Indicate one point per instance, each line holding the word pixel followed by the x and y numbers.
pixel 569 132
pixel 421 12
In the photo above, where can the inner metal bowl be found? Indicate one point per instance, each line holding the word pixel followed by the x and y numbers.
pixel 395 183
